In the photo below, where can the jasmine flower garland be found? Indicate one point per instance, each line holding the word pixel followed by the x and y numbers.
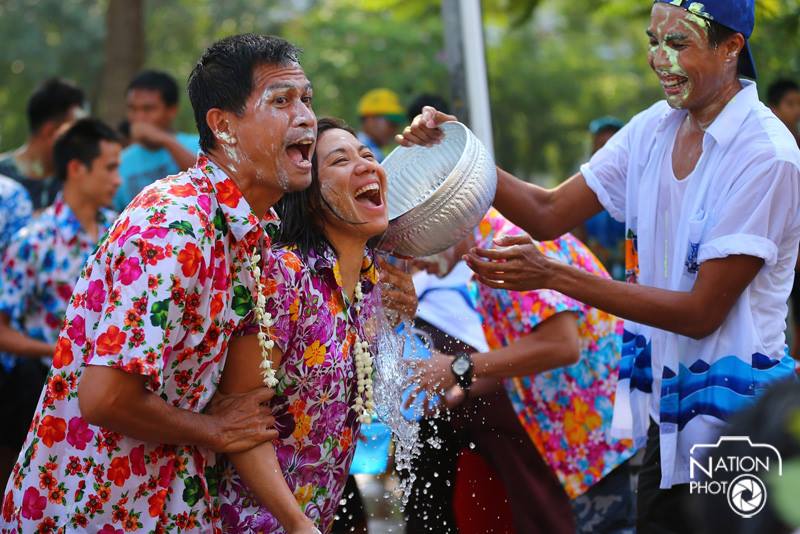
pixel 365 404
pixel 264 321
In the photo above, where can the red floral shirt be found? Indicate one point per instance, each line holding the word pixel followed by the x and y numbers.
pixel 161 296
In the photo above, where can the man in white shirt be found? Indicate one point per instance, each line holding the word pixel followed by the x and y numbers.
pixel 708 183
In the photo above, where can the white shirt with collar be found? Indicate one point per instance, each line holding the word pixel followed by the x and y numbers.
pixel 743 198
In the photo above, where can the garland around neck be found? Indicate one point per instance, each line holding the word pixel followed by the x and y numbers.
pixel 364 403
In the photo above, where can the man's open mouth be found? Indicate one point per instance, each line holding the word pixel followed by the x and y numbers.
pixel 300 152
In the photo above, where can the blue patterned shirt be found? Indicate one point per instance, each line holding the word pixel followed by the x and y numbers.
pixel 15 209
pixel 40 267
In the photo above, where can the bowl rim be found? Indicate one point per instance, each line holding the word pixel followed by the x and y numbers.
pixel 449 124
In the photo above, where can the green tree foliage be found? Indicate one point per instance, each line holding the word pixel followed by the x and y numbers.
pixel 553 65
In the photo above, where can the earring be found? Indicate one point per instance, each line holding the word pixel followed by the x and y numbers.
pixel 227 138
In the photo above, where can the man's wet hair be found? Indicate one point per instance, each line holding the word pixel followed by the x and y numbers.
pixel 51 101
pixel 81 142
pixel 223 78
pixel 156 80
pixel 779 89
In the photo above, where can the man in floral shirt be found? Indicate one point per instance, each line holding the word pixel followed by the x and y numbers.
pixel 40 267
pixel 119 441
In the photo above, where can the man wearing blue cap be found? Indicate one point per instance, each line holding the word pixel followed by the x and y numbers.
pixel 708 184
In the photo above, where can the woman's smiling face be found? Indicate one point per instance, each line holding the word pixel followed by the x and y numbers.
pixel 352 183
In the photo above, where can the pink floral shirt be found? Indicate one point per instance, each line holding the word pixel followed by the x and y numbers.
pixel 160 297
pixel 566 411
pixel 315 328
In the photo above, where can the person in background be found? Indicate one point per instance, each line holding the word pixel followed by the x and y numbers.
pixel 41 265
pixel 15 209
pixel 447 314
pixel 783 97
pixel 557 359
pixel 156 150
pixel 53 105
pixel 380 113
pixel 602 234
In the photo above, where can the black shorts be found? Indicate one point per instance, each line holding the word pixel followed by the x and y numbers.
pixel 19 395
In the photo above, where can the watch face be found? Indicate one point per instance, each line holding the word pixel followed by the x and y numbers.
pixel 460 366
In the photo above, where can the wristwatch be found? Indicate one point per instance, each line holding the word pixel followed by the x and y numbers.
pixel 462 368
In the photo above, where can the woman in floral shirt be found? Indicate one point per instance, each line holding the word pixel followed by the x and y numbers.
pixel 294 484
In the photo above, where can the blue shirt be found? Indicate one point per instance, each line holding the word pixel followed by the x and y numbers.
pixel 15 209
pixel 140 167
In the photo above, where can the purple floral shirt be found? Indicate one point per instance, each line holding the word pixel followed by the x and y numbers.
pixel 315 327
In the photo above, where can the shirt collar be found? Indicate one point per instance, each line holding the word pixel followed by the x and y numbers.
pixel 728 123
pixel 237 212
pixel 68 225
pixel 326 261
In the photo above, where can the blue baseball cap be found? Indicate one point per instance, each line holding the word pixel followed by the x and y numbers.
pixel 738 15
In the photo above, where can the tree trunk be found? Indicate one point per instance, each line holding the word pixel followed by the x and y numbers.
pixel 124 56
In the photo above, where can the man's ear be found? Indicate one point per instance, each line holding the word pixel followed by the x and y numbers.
pixel 220 122
pixel 733 46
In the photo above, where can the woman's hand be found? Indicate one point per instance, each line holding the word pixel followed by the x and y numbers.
pixel 424 129
pixel 397 290
pixel 516 265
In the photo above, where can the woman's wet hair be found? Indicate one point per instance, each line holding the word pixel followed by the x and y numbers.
pixel 302 212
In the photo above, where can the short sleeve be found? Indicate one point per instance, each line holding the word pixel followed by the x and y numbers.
pixel 134 295
pixel 17 277
pixel 535 307
pixel 607 172
pixel 753 219
pixel 282 286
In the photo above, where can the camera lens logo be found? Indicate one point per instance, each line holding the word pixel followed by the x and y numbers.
pixel 747 495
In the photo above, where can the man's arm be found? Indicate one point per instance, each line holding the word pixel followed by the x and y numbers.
pixel 19 344
pixel 117 400
pixel 554 343
pixel 153 135
pixel 543 213
pixel 183 157
pixel 518 265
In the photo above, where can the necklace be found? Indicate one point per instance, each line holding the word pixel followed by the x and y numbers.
pixel 364 404
pixel 264 321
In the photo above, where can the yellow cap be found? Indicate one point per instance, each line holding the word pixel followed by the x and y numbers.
pixel 381 102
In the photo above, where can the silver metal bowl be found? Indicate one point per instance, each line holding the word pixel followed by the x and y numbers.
pixel 437 195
